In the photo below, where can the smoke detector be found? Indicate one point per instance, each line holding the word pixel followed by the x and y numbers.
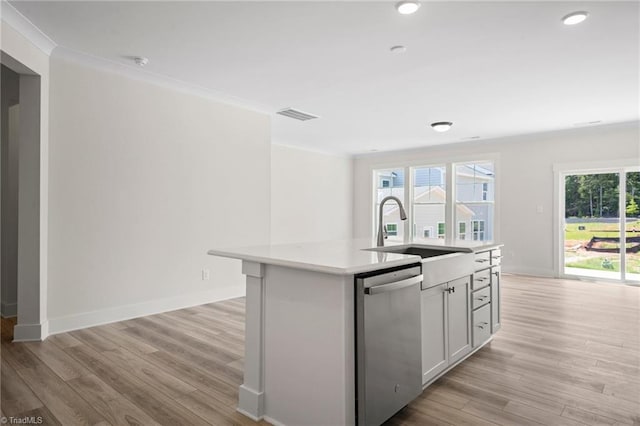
pixel 141 61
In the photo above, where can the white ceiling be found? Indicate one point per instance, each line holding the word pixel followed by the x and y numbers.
pixel 493 68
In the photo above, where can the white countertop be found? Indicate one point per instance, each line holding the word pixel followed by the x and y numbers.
pixel 345 257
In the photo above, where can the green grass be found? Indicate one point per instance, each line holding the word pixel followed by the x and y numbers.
pixel 595 263
pixel 633 264
pixel 595 229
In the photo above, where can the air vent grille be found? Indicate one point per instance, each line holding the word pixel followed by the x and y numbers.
pixel 296 114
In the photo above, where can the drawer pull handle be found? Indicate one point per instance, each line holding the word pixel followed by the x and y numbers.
pixel 481 279
pixel 482 325
pixel 496 257
pixel 482 260
pixel 481 298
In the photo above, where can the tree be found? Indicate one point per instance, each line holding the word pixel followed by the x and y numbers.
pixel 632 208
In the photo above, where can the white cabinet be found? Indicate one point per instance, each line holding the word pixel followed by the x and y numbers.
pixel 495 299
pixel 458 316
pixel 446 336
pixel 434 334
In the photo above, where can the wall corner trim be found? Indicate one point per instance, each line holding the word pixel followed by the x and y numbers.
pixel 30 332
pixel 26 28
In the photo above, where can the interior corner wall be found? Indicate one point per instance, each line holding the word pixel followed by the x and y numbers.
pixel 311 196
pixel 525 183
pixel 143 181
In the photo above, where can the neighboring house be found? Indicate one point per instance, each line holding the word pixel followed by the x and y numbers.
pixel 474 202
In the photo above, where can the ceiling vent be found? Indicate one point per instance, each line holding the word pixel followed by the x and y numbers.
pixel 298 115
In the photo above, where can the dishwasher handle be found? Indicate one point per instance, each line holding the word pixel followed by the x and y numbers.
pixel 397 285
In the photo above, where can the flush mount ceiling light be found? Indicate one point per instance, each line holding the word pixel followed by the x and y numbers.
pixel 441 126
pixel 141 61
pixel 575 18
pixel 407 7
pixel 398 49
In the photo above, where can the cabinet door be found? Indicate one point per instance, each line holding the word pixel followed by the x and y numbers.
pixel 459 313
pixel 434 329
pixel 495 299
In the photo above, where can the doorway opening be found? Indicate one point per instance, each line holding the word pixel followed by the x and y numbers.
pixel 600 233
pixel 21 295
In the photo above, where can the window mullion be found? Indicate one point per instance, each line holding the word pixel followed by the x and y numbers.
pixel 449 206
pixel 408 202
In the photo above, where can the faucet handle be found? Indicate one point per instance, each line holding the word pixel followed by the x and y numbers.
pixel 384 232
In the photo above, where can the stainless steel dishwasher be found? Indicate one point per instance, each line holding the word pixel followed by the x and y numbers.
pixel 388 345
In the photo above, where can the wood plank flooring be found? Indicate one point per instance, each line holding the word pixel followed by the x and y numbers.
pixel 568 354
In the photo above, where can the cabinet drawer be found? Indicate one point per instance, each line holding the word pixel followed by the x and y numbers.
pixel 481 279
pixel 482 260
pixel 496 257
pixel 480 297
pixel 481 319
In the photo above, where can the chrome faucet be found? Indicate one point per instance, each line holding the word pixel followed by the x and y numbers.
pixel 382 229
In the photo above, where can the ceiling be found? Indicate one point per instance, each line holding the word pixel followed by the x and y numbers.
pixel 493 68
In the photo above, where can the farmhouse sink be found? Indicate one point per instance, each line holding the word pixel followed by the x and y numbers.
pixel 419 250
pixel 439 264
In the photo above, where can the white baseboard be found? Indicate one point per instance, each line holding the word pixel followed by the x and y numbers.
pixel 8 310
pixel 30 332
pixel 534 272
pixel 121 313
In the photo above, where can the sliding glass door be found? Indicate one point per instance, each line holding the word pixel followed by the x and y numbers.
pixel 632 227
pixel 601 227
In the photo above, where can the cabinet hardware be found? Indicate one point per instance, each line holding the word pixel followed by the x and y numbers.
pixel 451 290
pixel 481 279
pixel 482 260
pixel 496 257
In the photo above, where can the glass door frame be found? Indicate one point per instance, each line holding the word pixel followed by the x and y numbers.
pixel 561 171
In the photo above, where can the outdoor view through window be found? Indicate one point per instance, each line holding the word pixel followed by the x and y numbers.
pixel 593 242
pixel 428 198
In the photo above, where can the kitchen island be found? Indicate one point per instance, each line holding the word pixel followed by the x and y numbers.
pixel 300 333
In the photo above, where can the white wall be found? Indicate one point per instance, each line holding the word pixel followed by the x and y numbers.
pixel 143 181
pixel 524 172
pixel 311 196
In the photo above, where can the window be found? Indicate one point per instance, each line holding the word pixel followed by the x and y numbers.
pixel 478 230
pixel 432 210
pixel 389 182
pixel 475 184
pixel 462 230
pixel 429 200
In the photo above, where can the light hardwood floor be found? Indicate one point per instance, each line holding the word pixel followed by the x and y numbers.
pixel 568 354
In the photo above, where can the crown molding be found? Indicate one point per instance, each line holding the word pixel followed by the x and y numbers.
pixel 137 73
pixel 21 24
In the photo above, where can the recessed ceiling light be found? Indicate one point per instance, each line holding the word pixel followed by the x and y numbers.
pixel 407 7
pixel 575 18
pixel 441 126
pixel 398 49
pixel 141 61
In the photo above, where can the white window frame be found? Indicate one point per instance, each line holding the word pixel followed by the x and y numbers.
pixel 560 171
pixel 450 204
pixel 462 235
pixel 479 234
